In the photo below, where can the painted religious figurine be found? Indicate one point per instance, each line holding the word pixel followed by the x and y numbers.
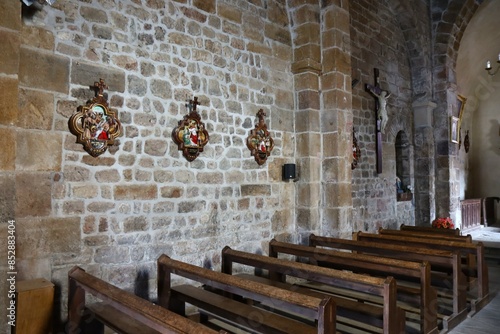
pixel 259 142
pixel 190 135
pixel 95 126
pixel 382 106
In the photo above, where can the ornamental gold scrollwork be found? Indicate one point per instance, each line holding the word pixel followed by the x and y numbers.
pixel 259 142
pixel 95 126
pixel 191 135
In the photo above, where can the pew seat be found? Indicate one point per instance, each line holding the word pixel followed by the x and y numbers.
pixel 244 316
pixel 119 310
pixel 117 320
pixel 321 312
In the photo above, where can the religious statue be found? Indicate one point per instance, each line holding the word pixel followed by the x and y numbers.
pixel 382 106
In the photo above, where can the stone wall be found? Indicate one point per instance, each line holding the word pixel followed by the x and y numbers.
pixel 449 21
pixel 115 214
pixel 379 42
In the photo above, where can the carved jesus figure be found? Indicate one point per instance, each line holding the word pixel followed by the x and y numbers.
pixel 382 107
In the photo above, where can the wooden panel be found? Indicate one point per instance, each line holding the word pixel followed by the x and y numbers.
pixel 471 213
pixel 34 305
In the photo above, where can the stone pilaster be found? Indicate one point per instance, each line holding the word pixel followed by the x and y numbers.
pixel 306 67
pixel 424 162
pixel 336 121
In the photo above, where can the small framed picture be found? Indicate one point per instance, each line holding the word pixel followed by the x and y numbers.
pixel 454 129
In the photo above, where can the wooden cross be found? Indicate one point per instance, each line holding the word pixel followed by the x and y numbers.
pixel 100 86
pixel 192 104
pixel 376 90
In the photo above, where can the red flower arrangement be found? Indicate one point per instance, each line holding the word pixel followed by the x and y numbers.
pixel 443 223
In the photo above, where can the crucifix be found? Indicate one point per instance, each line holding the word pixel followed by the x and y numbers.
pixel 192 104
pixel 380 113
pixel 100 86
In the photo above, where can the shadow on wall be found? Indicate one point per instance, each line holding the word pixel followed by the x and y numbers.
pixel 494 137
pixel 141 286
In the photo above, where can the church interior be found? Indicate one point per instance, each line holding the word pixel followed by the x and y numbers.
pixel 250 166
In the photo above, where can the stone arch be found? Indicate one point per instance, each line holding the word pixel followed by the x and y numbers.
pixel 415 28
pixel 450 20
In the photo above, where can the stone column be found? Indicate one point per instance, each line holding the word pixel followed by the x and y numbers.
pixel 306 67
pixel 424 162
pixel 10 27
pixel 336 120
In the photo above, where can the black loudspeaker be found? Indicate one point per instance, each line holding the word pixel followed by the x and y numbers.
pixel 288 172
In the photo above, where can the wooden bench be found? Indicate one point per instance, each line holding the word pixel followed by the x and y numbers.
pixel 321 310
pixel 377 266
pixel 430 229
pixel 469 261
pixel 446 261
pixel 427 234
pixel 476 271
pixel 389 316
pixel 120 310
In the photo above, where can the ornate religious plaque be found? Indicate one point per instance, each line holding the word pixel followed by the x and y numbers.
pixel 94 125
pixel 356 152
pixel 259 141
pixel 190 135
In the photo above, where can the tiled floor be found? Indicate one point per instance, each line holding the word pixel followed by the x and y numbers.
pixel 486 321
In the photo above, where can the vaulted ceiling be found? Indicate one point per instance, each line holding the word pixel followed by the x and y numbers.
pixel 481 42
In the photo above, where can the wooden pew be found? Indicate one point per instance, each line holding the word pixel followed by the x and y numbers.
pixel 378 266
pixel 426 234
pixel 430 229
pixel 120 310
pixel 449 261
pixel 478 269
pixel 470 261
pixel 321 310
pixel 393 318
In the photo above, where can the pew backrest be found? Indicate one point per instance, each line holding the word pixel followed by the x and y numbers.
pixel 323 310
pixel 425 234
pixel 430 229
pixel 436 258
pixel 127 304
pixel 383 287
pixel 374 265
pixel 478 267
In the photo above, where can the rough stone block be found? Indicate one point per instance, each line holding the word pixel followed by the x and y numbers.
pixel 308 194
pixel 255 190
pixel 9 101
pixel 7 197
pixel 308 99
pixel 9 52
pixel 33 194
pixel 86 74
pixel 277 34
pixel 44 70
pixel 112 254
pixel 232 13
pixel 36 109
pixel 8 149
pixel 131 192
pixel 135 224
pixel 38 151
pixel 308 144
pixel 308 51
pixel 307 120
pixel 41 237
pixel 308 33
pixel 11 15
pixel 37 37
pixel 205 5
